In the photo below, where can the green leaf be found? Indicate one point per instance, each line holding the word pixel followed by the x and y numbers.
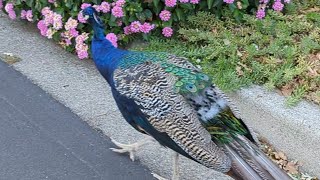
pixel 203 5
pixel 210 3
pixel 157 9
pixel 132 18
pixel 112 21
pixel 186 6
pixel 145 37
pixel 60 11
pixel 18 2
pixel 56 36
pixel 147 13
pixel 156 3
pixel 29 3
pixel 232 7
pixel 167 23
pixel 95 1
pixel 245 4
pixel 141 16
pixel 217 3
pixel 238 15
pixel 313 16
pixel 179 13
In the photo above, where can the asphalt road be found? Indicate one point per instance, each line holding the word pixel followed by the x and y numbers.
pixel 42 139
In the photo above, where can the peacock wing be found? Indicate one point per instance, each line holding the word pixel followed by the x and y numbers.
pixel 152 86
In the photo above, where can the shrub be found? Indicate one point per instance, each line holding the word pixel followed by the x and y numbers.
pixel 281 51
pixel 125 20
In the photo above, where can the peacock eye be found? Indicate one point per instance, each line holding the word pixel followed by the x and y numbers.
pixel 191 87
pixel 203 77
pixel 178 84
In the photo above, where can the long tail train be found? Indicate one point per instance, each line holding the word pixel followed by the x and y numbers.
pixel 250 163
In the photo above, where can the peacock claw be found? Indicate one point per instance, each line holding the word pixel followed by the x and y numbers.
pixel 124 148
pixel 129 148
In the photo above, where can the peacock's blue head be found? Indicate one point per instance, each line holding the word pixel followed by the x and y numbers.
pixel 92 16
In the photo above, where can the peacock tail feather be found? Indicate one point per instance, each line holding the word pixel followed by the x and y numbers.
pixel 225 126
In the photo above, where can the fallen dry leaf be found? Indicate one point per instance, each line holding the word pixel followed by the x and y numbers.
pixel 287 89
pixel 239 71
pixel 291 168
pixel 9 58
pixel 280 158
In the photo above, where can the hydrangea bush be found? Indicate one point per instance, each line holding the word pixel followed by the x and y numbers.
pixel 124 19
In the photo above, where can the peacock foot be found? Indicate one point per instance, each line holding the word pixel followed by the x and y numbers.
pixel 175 175
pixel 130 148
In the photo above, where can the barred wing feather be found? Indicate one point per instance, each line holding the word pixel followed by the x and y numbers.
pixel 152 89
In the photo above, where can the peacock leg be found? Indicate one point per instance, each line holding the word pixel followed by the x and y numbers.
pixel 130 148
pixel 175 175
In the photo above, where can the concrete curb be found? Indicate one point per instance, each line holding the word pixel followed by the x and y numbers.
pixel 296 130
pixel 79 86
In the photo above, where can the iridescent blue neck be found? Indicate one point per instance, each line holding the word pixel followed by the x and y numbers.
pixel 98 29
pixel 100 45
pixel 104 54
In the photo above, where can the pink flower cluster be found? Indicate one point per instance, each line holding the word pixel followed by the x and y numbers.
pixel 1 4
pixel 167 31
pixel 71 24
pixel 170 3
pixel 136 27
pixel 70 32
pixel 52 1
pixel 85 5
pixel 104 7
pixel 194 1
pixel 165 15
pixel 113 39
pixel 117 12
pixel 42 27
pixel 120 3
pixel 51 23
pixel 81 18
pixel 52 18
pixel 184 1
pixel 81 46
pixel 264 1
pixel 27 15
pixel 9 9
pixel 277 5
pixel 261 13
pixel 228 1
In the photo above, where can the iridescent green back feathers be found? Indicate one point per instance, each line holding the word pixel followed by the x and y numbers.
pixel 189 79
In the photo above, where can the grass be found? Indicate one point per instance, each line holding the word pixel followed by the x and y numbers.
pixel 281 51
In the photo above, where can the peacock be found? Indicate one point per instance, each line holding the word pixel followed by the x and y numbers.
pixel 171 101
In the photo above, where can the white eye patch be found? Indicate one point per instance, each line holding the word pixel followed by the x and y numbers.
pixel 97 19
